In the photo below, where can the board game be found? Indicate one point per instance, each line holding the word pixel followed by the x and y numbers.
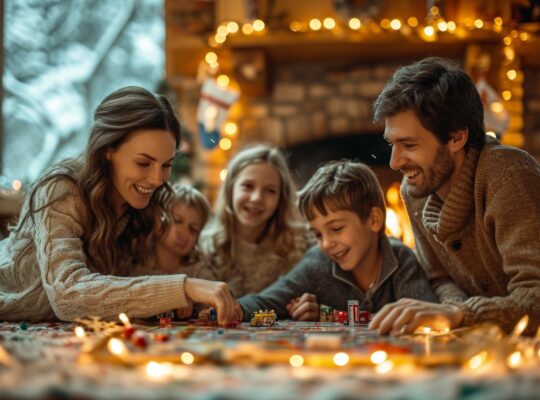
pixel 325 344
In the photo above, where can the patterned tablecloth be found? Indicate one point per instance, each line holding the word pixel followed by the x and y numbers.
pixel 42 363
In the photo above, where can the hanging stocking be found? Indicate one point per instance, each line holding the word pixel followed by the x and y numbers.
pixel 212 112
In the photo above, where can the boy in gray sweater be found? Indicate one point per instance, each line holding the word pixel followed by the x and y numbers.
pixel 354 259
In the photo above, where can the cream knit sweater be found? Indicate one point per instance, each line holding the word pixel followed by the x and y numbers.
pixel 44 272
pixel 480 247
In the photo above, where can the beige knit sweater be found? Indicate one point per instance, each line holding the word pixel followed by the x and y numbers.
pixel 44 272
pixel 480 247
pixel 255 265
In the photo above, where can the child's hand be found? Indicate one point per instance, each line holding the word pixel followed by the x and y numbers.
pixel 238 313
pixel 185 312
pixel 216 294
pixel 304 308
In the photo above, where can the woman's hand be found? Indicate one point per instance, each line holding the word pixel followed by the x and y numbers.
pixel 185 312
pixel 216 294
pixel 406 315
pixel 304 308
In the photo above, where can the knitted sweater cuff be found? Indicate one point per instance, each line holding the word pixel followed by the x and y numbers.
pixel 173 288
pixel 468 314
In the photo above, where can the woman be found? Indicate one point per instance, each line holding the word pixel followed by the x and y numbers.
pixel 85 223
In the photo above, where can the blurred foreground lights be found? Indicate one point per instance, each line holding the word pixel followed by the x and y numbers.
pixel 117 347
pixel 451 25
pixel 124 318
pixel 378 357
pixel 157 370
pixel 477 360
pixel 187 358
pixel 507 95
pixel 413 22
pixel 496 107
pixel 429 31
pixel 442 25
pixel 384 367
pixel 79 332
pixel 514 360
pixel 223 175
pixel 296 360
pixel 341 359
pixel 520 326
pixel 16 185
pixel 478 23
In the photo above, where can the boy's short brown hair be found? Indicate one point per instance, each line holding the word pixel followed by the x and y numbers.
pixel 342 185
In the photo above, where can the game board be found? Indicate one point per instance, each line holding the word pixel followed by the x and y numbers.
pixel 317 344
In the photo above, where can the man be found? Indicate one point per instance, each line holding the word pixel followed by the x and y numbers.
pixel 474 204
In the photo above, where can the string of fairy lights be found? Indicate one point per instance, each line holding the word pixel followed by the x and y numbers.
pixel 434 27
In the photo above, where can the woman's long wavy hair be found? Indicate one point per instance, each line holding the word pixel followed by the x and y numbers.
pixel 122 112
pixel 285 224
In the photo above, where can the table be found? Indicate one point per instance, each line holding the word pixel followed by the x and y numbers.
pixel 45 360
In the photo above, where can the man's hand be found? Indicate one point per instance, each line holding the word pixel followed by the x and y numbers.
pixel 406 315
pixel 304 308
pixel 216 294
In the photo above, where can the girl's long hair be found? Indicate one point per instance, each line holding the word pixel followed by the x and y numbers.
pixel 122 112
pixel 283 228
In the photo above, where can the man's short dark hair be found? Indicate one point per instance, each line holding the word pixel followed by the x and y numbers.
pixel 441 94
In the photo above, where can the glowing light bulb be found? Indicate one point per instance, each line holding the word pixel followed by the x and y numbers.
pixel 232 27
pixel 223 80
pixel 295 26
pixel 384 367
pixel 220 39
pixel 477 360
pixel 222 30
pixel 385 23
pixel 512 74
pixel 258 25
pixel 79 332
pixel 496 107
pixel 478 23
pixel 395 24
pixel 378 357
pixel 514 360
pixel 429 31
pixel 498 21
pixel 223 175
pixel 412 21
pixel 187 358
pixel 124 318
pixel 451 26
pixel 507 95
pixel 247 29
pixel 524 36
pixel 520 326
pixel 315 24
pixel 225 144
pixel 443 26
pixel 210 57
pixel 507 40
pixel 16 185
pixel 116 347
pixel 355 23
pixel 492 134
pixel 230 128
pixel 341 359
pixel 296 360
pixel 329 23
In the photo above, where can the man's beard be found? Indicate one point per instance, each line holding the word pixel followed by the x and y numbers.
pixel 436 176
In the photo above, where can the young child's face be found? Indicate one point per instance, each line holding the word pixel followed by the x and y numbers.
pixel 343 237
pixel 183 233
pixel 256 195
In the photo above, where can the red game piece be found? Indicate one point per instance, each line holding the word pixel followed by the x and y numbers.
pixel 165 322
pixel 161 337
pixel 363 316
pixel 139 339
pixel 340 316
pixel 128 332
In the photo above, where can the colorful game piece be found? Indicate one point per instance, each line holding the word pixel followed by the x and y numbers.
pixel 165 322
pixel 353 307
pixel 326 313
pixel 213 314
pixel 340 316
pixel 128 332
pixel 263 318
pixel 363 317
pixel 139 339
